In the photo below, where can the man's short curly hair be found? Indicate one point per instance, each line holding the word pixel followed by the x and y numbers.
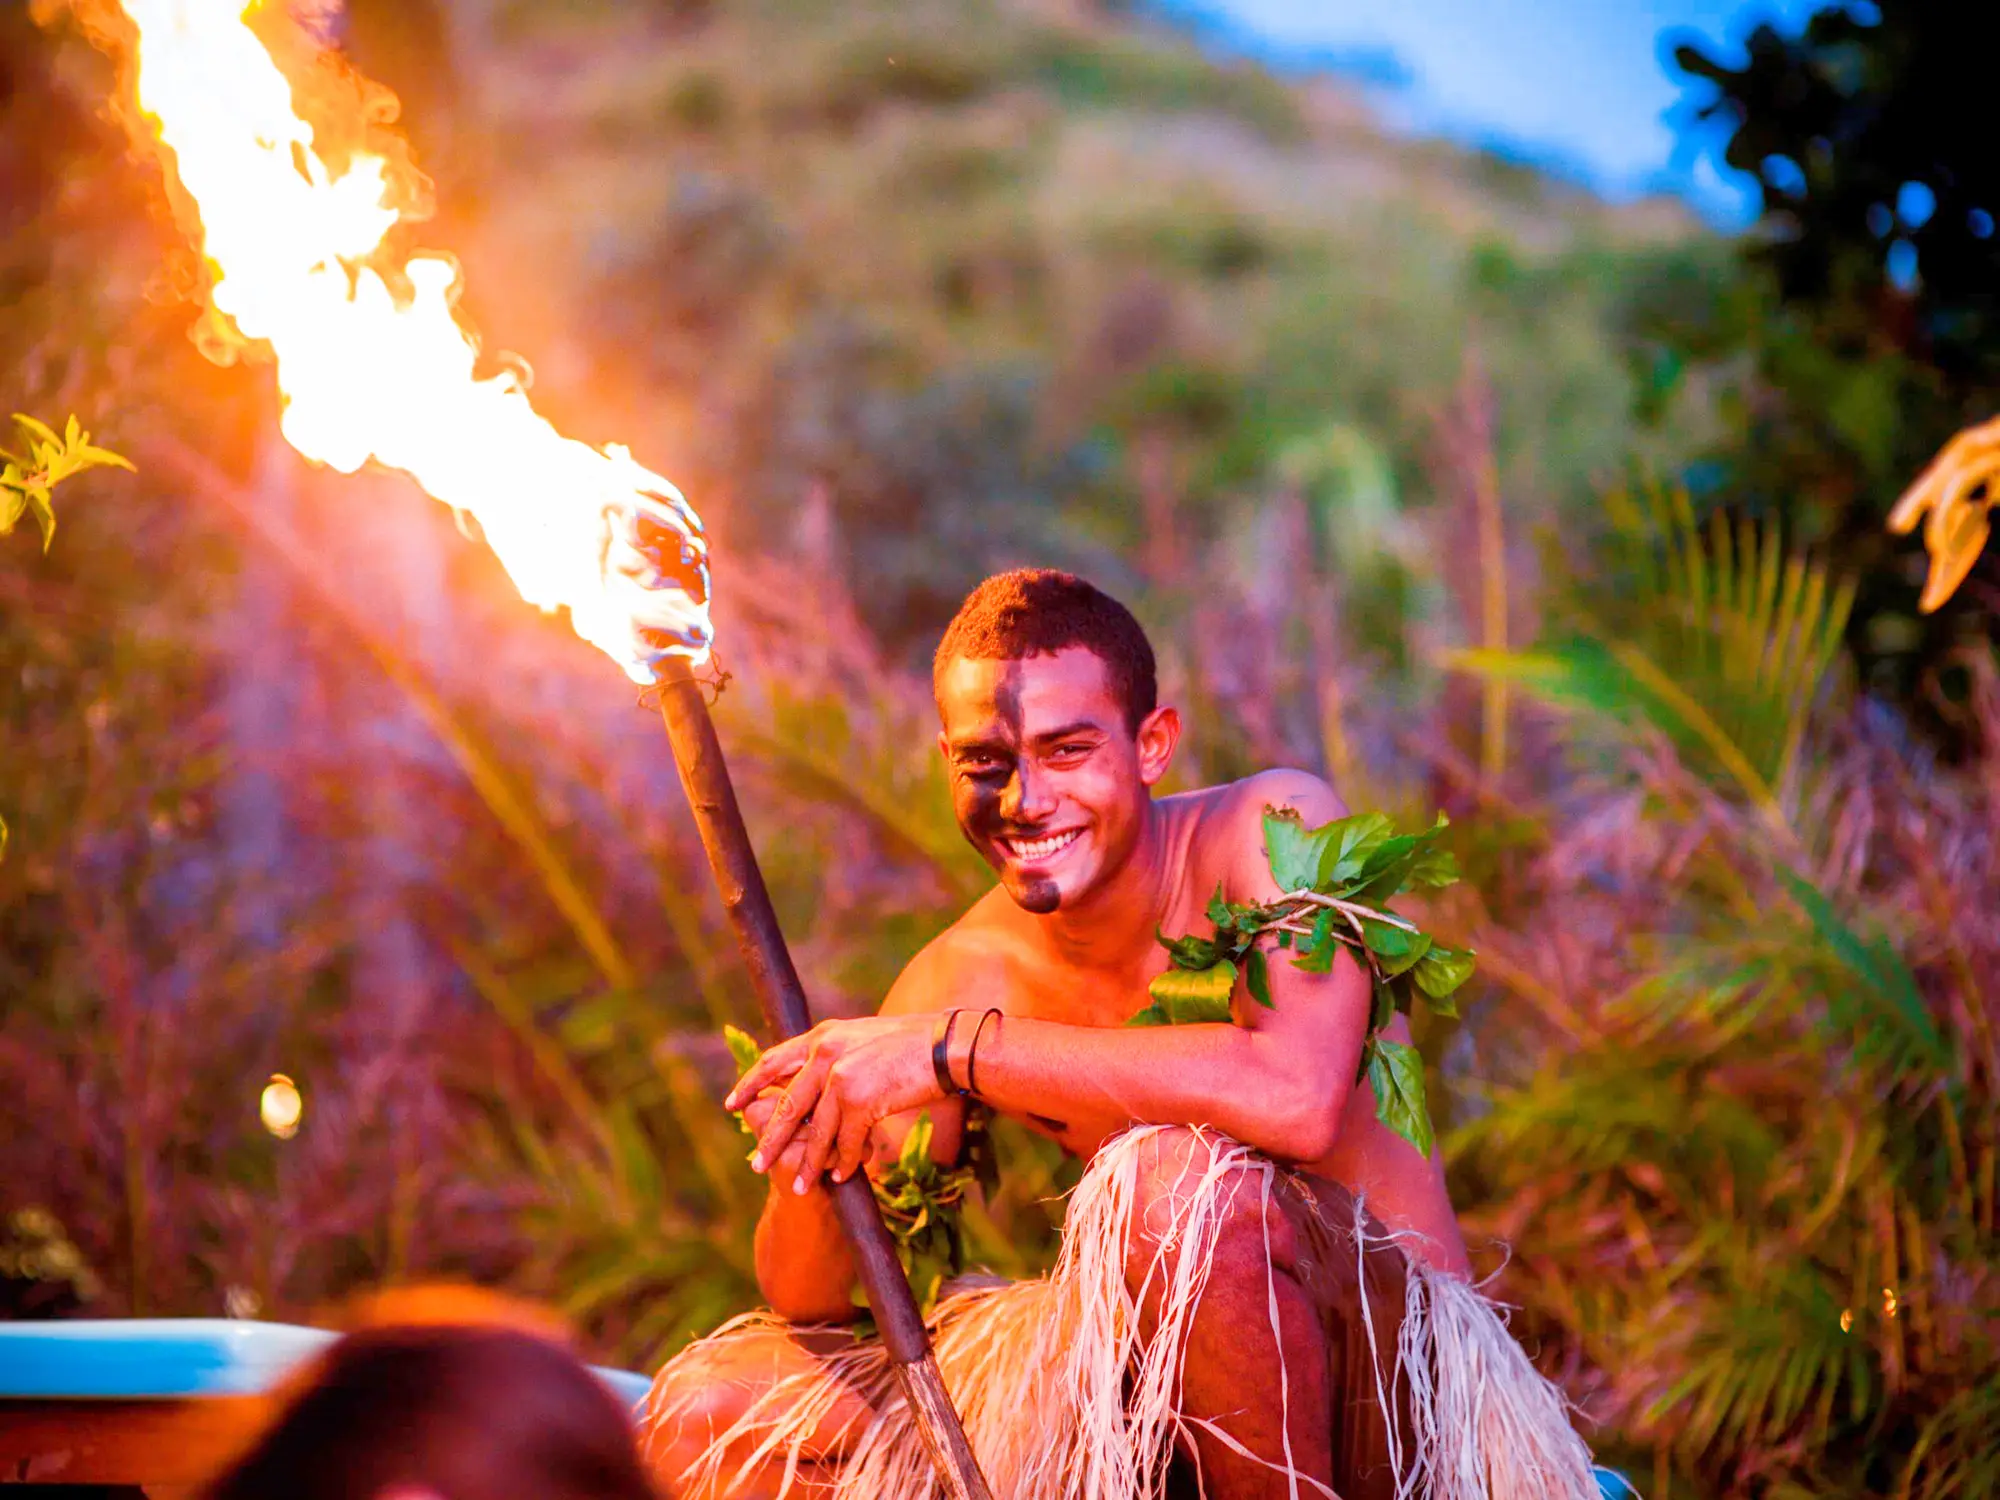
pixel 1040 611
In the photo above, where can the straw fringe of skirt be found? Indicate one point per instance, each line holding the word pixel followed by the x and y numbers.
pixel 1062 1400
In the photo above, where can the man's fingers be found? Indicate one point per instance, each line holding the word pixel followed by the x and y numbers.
pixel 819 1140
pixel 773 1067
pixel 855 1132
pixel 786 1167
pixel 791 1112
pixel 757 1112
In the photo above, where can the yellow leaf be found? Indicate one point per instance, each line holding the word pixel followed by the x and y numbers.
pixel 90 455
pixel 38 429
pixel 45 515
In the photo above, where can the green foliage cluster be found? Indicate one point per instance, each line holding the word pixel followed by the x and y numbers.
pixel 1337 881
pixel 28 480
pixel 921 1205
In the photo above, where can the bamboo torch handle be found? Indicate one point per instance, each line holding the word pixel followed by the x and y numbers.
pixel 705 776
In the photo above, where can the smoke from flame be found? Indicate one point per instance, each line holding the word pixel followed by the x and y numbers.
pixel 294 245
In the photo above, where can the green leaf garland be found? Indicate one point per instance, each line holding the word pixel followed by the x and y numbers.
pixel 1337 879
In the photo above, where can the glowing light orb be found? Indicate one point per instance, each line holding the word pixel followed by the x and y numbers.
pixel 281 1107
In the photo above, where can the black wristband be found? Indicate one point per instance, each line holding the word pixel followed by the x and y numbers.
pixel 940 1053
pixel 972 1053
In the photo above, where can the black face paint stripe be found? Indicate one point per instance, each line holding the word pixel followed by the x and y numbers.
pixel 1007 697
pixel 988 807
pixel 1039 896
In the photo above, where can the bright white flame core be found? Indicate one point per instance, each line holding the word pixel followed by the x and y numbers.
pixel 364 377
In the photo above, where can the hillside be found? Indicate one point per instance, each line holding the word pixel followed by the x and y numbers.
pixel 965 273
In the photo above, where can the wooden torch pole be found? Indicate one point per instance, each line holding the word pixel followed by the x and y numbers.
pixel 705 776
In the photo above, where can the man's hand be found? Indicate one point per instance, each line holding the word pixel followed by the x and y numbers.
pixel 757 1115
pixel 839 1081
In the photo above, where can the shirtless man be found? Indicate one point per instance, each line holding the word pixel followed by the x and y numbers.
pixel 1054 740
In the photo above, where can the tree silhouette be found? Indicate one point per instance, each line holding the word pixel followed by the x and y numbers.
pixel 1872 146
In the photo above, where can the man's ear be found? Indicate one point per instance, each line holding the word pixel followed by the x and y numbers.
pixel 944 746
pixel 1159 733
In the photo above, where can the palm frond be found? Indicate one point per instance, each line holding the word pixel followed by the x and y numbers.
pixel 1720 637
pixel 1958 1451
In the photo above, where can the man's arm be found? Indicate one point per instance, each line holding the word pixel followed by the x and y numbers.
pixel 803 1266
pixel 1278 1079
pixel 1278 1082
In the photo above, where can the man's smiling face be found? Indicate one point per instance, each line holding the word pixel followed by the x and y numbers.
pixel 1049 781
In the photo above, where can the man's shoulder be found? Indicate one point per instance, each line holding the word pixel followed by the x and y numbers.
pixel 1226 843
pixel 1233 807
pixel 982 938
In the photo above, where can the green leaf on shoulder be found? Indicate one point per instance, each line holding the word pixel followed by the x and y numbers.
pixel 1292 849
pixel 1316 952
pixel 1189 997
pixel 1381 1005
pixel 1433 870
pixel 1405 862
pixel 1441 971
pixel 1394 947
pixel 1349 844
pixel 1396 1073
pixel 1381 874
pixel 1219 910
pixel 1190 952
pixel 1257 976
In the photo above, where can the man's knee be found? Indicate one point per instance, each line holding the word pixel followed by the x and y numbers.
pixel 694 1401
pixel 1195 1186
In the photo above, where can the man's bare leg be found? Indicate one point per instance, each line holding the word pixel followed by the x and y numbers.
pixel 1320 1410
pixel 1266 1389
pixel 706 1392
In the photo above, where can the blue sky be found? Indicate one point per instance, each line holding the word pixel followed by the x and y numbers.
pixel 1577 81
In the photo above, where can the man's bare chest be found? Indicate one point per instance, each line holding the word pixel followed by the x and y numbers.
pixel 1045 985
pixel 1073 996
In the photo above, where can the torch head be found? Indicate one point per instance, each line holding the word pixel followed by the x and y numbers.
pixel 656 564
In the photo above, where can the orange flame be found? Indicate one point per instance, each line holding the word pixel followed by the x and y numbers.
pixel 296 260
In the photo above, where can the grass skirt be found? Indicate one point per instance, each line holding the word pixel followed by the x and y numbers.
pixel 1062 1400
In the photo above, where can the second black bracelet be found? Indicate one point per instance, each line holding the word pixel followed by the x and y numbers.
pixel 941 1053
pixel 972 1053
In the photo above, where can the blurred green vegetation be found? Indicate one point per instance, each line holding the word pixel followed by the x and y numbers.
pixel 1367 429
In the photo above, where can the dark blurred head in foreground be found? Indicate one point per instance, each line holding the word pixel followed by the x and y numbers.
pixel 435 1409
